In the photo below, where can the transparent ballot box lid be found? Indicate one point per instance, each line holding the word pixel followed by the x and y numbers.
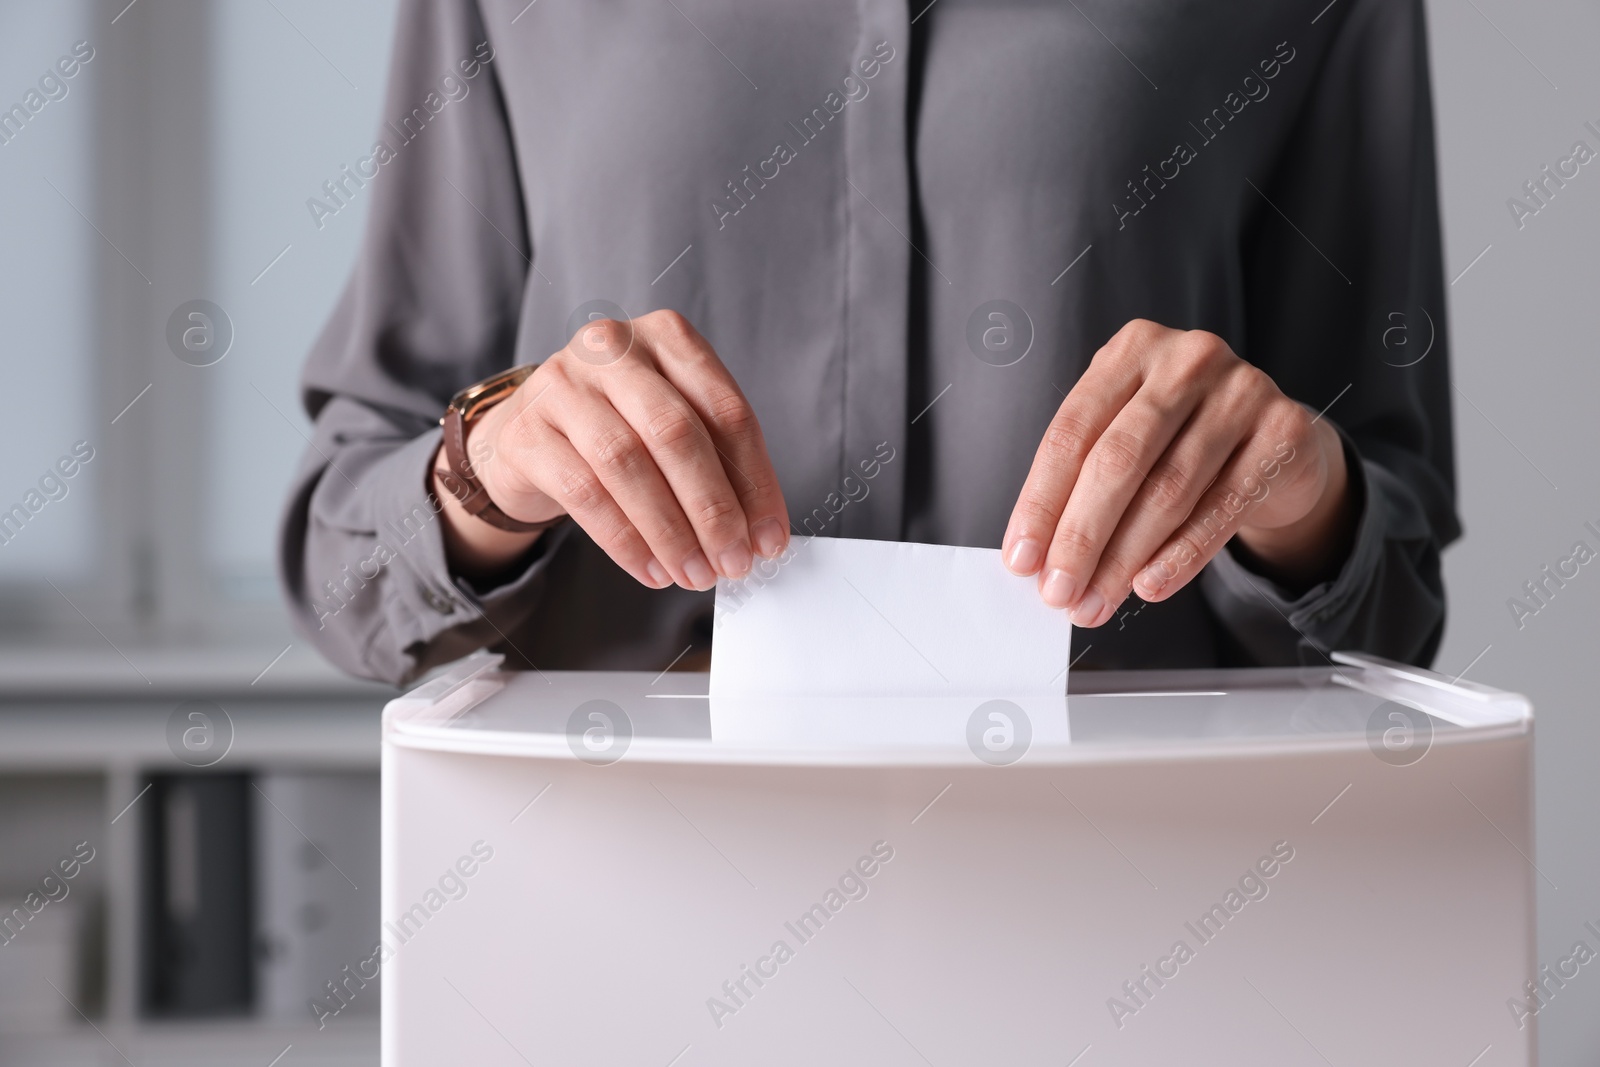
pixel 1357 701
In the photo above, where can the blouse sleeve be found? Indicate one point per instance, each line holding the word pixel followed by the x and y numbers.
pixel 432 305
pixel 1346 311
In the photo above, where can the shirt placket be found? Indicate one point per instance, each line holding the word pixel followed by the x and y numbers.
pixel 877 277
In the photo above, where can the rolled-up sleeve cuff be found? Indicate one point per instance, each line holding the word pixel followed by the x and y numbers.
pixel 424 600
pixel 517 590
pixel 1276 627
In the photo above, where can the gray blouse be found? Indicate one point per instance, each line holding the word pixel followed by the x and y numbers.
pixel 905 231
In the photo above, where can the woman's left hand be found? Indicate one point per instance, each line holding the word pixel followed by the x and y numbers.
pixel 1168 446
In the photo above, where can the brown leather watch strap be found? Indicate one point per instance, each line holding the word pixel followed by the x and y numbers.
pixel 459 479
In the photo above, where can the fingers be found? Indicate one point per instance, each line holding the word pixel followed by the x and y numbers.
pixel 1084 415
pixel 658 450
pixel 1112 474
pixel 1245 482
pixel 683 452
pixel 688 362
pixel 620 463
pixel 573 484
pixel 1153 459
pixel 1164 500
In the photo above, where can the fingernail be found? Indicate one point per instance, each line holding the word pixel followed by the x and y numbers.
pixel 698 570
pixel 735 560
pixel 1090 607
pixel 1025 556
pixel 1148 583
pixel 658 574
pixel 1057 588
pixel 768 534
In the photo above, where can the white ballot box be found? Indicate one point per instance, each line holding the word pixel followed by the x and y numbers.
pixel 1328 865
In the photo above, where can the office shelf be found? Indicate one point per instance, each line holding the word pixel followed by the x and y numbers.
pixel 215 1044
pixel 81 732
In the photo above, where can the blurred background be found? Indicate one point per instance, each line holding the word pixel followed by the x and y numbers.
pixel 154 703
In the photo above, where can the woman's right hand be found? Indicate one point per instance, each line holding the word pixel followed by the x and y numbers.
pixel 638 432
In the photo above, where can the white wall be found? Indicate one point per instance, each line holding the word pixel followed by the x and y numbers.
pixel 1524 322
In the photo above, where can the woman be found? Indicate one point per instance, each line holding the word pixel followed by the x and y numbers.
pixel 1148 296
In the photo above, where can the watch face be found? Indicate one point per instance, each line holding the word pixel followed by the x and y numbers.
pixel 493 389
pixel 459 478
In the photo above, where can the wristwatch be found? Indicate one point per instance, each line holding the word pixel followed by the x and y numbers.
pixel 459 479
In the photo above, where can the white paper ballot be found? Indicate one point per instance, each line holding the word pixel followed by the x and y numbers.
pixel 844 618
